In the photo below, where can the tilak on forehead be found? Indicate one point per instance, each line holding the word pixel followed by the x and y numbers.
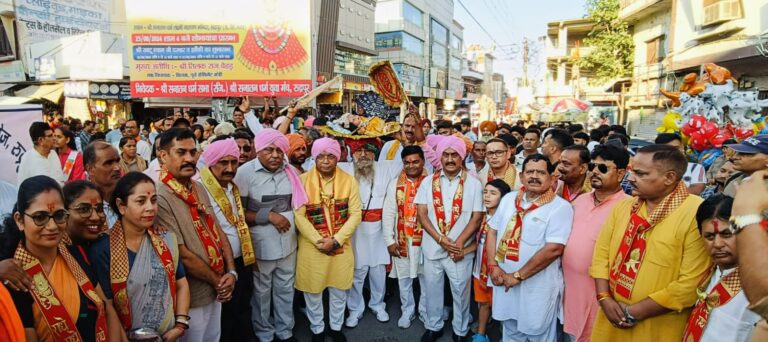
pixel 716 226
pixel 51 205
pixel 94 201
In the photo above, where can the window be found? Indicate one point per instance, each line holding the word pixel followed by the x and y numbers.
pixel 654 50
pixel 412 14
pixel 353 63
pixel 439 33
pixel 455 63
pixel 395 41
pixel 439 55
pixel 456 43
pixel 413 44
pixel 719 11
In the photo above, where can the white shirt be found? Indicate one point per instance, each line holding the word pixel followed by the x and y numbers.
pixel 472 202
pixel 110 214
pixel 472 168
pixel 229 230
pixel 8 193
pixel 694 174
pixel 385 150
pixel 536 301
pixel 732 321
pixel 591 145
pixel 34 164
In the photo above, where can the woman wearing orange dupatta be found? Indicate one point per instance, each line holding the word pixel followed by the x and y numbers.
pixel 11 329
pixel 65 302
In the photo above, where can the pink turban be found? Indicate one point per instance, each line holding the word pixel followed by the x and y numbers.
pixel 309 122
pixel 220 149
pixel 452 142
pixel 269 136
pixel 326 145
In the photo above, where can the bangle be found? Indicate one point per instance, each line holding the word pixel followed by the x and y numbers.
pixel 187 317
pixel 180 320
pixel 603 295
pixel 440 240
pixel 234 274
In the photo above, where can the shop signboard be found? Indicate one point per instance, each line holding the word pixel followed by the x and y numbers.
pixel 181 48
pixel 40 21
pixel 12 71
pixel 109 91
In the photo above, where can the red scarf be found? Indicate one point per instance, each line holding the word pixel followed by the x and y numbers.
pixel 120 268
pixel 407 225
pixel 481 236
pixel 631 252
pixel 205 231
pixel 55 315
pixel 727 288
pixel 437 198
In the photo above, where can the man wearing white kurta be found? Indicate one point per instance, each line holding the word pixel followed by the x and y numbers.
pixel 449 206
pixel 403 235
pixel 524 259
pixel 371 255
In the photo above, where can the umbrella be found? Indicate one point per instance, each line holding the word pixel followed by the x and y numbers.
pixel 569 105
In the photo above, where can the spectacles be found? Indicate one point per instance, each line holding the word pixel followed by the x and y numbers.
pixel 601 167
pixel 41 218
pixel 496 154
pixel 245 148
pixel 85 210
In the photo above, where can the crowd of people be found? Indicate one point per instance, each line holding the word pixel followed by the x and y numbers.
pixel 205 231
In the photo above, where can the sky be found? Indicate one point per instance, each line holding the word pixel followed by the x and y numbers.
pixel 509 21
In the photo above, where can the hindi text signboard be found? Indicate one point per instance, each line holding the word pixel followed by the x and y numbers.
pixel 182 48
pixel 14 136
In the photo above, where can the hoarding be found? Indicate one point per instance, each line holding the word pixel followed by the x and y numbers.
pixel 182 48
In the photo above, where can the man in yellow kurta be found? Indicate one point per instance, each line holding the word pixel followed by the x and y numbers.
pixel 649 257
pixel 326 224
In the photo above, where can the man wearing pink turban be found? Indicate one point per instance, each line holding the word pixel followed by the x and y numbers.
pixel 450 209
pixel 326 223
pixel 270 191
pixel 221 160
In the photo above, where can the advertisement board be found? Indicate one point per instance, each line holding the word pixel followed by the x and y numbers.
pixel 182 48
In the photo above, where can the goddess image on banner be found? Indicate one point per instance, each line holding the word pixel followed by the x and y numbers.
pixel 237 48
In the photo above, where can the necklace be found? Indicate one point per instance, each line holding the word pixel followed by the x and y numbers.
pixel 260 35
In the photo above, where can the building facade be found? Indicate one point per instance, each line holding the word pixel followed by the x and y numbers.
pixel 424 44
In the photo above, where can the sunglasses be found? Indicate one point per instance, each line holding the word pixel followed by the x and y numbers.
pixel 85 210
pixel 600 167
pixel 245 148
pixel 41 218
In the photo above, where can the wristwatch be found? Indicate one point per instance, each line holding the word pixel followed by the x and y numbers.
pixel 234 274
pixel 628 316
pixel 740 222
pixel 518 276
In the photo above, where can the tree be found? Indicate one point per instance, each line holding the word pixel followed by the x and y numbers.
pixel 611 42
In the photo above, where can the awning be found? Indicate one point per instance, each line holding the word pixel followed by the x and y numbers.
pixel 50 92
pixel 13 100
pixel 6 86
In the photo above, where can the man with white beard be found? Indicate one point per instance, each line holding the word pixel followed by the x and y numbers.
pixel 371 255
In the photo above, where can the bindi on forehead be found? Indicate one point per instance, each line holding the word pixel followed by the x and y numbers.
pixel 94 201
pixel 51 205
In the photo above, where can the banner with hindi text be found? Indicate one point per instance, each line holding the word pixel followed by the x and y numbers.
pixel 14 136
pixel 181 48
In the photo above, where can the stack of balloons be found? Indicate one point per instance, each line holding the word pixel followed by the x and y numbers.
pixel 708 111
